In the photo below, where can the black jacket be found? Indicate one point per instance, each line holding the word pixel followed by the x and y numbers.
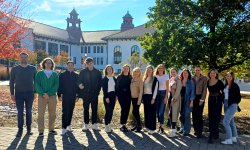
pixel 68 84
pixel 92 81
pixel 122 86
pixel 105 82
pixel 234 96
pixel 154 84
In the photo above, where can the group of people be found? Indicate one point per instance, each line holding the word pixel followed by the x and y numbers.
pixel 161 94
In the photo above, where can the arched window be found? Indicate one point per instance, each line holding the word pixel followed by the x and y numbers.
pixel 117 55
pixel 135 49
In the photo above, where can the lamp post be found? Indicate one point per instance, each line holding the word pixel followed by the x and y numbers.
pixel 83 61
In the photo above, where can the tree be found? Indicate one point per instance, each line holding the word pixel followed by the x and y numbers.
pixel 62 58
pixel 41 54
pixel 12 29
pixel 214 33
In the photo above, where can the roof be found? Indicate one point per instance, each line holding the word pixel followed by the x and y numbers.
pixel 48 31
pixel 127 15
pixel 132 33
pixel 97 36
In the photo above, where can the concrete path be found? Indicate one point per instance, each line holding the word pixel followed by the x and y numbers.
pixel 117 140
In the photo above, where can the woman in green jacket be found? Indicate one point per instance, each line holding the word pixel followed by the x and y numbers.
pixel 46 85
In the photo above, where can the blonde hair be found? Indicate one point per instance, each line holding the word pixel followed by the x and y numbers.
pixel 136 69
pixel 156 70
pixel 145 73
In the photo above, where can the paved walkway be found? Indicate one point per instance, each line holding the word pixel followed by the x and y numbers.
pixel 116 140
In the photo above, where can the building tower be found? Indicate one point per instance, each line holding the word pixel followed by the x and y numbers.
pixel 127 22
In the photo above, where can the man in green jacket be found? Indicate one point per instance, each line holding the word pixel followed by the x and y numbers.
pixel 46 85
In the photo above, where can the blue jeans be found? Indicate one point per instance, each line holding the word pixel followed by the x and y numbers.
pixel 22 98
pixel 185 117
pixel 160 109
pixel 228 120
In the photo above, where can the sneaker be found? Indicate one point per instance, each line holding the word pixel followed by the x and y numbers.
pixel 138 129
pixel 107 129
pixel 29 132
pixel 69 128
pixel 124 128
pixel 95 127
pixel 227 142
pixel 172 133
pixel 19 133
pixel 53 132
pixel 85 127
pixel 145 129
pixel 64 131
pixel 41 134
pixel 160 130
pixel 234 139
pixel 134 128
pixel 150 132
pixel 110 127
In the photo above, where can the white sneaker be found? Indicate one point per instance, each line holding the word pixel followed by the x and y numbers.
pixel 69 128
pixel 172 133
pixel 151 132
pixel 64 131
pixel 107 129
pixel 85 127
pixel 234 139
pixel 145 129
pixel 95 127
pixel 110 127
pixel 227 142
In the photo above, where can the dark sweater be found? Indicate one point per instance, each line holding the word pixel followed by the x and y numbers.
pixel 68 84
pixel 92 82
pixel 234 96
pixel 22 79
pixel 216 89
pixel 122 86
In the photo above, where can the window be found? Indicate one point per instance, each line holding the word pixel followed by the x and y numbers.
pixel 64 48
pixel 101 49
pixel 98 49
pixel 88 49
pixel 94 60
pixel 98 61
pixel 117 55
pixel 74 60
pixel 81 49
pixel 135 49
pixel 40 45
pixel 94 49
pixel 85 49
pixel 101 61
pixel 53 49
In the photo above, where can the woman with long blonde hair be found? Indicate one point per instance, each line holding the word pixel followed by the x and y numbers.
pixel 150 89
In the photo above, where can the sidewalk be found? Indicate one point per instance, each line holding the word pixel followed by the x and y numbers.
pixel 117 140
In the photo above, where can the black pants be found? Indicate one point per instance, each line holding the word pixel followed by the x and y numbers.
pixel 149 112
pixel 136 112
pixel 109 107
pixel 94 105
pixel 197 115
pixel 68 105
pixel 214 114
pixel 125 102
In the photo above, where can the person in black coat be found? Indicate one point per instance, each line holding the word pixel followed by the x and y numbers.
pixel 89 82
pixel 122 88
pixel 67 93
pixel 232 98
pixel 109 96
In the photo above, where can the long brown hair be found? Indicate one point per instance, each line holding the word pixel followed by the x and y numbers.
pixel 125 65
pixel 189 74
pixel 105 70
pixel 216 71
pixel 232 81
pixel 160 65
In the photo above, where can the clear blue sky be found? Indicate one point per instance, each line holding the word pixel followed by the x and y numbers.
pixel 95 14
